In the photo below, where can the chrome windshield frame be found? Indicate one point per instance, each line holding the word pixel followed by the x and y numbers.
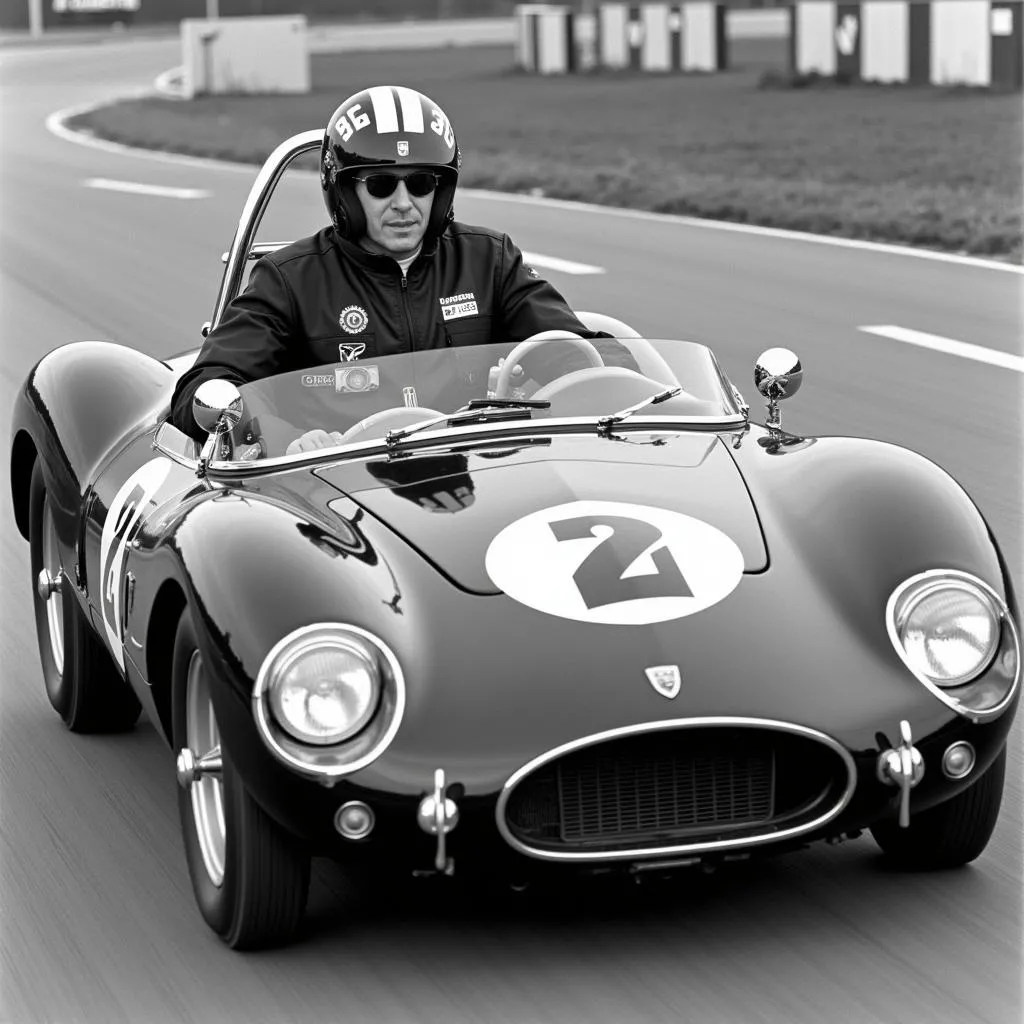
pixel 574 425
pixel 252 214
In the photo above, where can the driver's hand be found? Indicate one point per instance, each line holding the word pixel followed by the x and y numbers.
pixel 313 439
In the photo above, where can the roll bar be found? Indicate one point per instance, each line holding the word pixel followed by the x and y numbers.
pixel 252 213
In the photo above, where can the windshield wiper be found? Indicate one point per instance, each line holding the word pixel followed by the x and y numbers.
pixel 479 410
pixel 605 423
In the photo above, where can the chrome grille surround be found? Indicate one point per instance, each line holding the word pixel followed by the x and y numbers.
pixel 642 852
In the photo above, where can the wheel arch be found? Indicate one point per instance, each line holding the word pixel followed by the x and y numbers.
pixel 168 607
pixel 23 461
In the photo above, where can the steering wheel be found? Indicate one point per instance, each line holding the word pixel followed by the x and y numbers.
pixel 503 388
pixel 379 423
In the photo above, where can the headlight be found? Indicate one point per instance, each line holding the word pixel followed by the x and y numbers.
pixel 324 688
pixel 948 627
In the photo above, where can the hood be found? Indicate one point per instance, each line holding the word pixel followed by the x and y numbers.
pixel 458 507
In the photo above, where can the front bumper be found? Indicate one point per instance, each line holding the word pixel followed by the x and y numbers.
pixel 477 845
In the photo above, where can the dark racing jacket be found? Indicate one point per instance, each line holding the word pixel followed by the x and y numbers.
pixel 324 299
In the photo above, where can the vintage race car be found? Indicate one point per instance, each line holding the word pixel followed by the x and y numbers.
pixel 506 626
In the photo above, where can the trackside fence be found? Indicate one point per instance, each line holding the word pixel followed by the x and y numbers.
pixel 919 42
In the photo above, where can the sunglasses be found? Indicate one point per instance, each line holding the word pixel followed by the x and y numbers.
pixel 419 183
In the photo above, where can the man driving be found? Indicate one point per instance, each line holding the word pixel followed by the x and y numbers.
pixel 394 272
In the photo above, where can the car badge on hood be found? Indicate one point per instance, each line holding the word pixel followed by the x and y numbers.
pixel 665 679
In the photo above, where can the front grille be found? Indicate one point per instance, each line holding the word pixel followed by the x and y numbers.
pixel 673 786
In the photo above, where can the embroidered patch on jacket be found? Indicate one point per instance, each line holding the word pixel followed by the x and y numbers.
pixel 456 306
pixel 353 320
pixel 317 380
pixel 348 351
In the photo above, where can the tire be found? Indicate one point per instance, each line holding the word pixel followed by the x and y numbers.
pixel 951 834
pixel 250 876
pixel 82 682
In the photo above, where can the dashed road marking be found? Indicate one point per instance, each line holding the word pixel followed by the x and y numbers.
pixel 950 346
pixel 143 189
pixel 565 266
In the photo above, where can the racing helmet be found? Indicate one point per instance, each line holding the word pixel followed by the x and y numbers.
pixel 381 127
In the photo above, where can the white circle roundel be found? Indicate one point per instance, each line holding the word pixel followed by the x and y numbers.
pixel 614 562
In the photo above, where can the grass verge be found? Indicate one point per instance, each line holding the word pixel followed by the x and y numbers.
pixel 929 167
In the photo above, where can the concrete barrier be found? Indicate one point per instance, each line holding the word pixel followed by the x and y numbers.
pixel 257 55
pixel 919 42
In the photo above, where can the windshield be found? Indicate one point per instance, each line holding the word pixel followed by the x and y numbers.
pixel 364 400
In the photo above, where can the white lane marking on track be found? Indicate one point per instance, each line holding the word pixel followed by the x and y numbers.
pixel 55 124
pixel 948 345
pixel 565 266
pixel 142 189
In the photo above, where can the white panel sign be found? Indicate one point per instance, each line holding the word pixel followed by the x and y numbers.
pixel 614 51
pixel 1002 21
pixel 656 53
pixel 815 37
pixel 614 562
pixel 700 43
pixel 961 46
pixel 885 48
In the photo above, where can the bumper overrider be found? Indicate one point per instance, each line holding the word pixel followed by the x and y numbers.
pixel 653 795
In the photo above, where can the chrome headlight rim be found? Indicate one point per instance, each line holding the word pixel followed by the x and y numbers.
pixel 328 762
pixel 927 583
pixel 298 648
pixel 918 593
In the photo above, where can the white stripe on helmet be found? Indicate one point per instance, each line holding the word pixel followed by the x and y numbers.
pixel 412 109
pixel 385 115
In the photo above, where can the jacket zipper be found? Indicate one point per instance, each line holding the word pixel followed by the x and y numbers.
pixel 408 312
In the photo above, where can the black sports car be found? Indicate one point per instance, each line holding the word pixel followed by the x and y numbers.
pixel 602 622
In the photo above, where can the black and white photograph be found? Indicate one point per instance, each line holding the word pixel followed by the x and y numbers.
pixel 514 512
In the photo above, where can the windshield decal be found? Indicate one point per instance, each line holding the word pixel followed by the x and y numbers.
pixel 614 562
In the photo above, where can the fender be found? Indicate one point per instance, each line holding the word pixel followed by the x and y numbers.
pixel 254 571
pixel 864 515
pixel 78 401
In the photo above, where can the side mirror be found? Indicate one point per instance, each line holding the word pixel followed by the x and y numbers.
pixel 217 406
pixel 777 375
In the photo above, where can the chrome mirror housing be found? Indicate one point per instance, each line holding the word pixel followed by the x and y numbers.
pixel 777 375
pixel 217 406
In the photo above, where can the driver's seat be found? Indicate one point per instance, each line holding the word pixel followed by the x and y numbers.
pixel 607 324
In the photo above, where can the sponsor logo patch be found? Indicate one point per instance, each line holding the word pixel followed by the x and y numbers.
pixel 353 320
pixel 349 351
pixel 456 306
pixel 403 148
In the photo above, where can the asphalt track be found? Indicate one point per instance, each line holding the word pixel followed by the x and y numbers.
pixel 97 914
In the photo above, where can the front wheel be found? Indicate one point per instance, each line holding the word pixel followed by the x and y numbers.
pixel 951 834
pixel 250 876
pixel 82 681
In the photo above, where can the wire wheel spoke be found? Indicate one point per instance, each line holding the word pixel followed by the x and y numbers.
pixel 208 792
